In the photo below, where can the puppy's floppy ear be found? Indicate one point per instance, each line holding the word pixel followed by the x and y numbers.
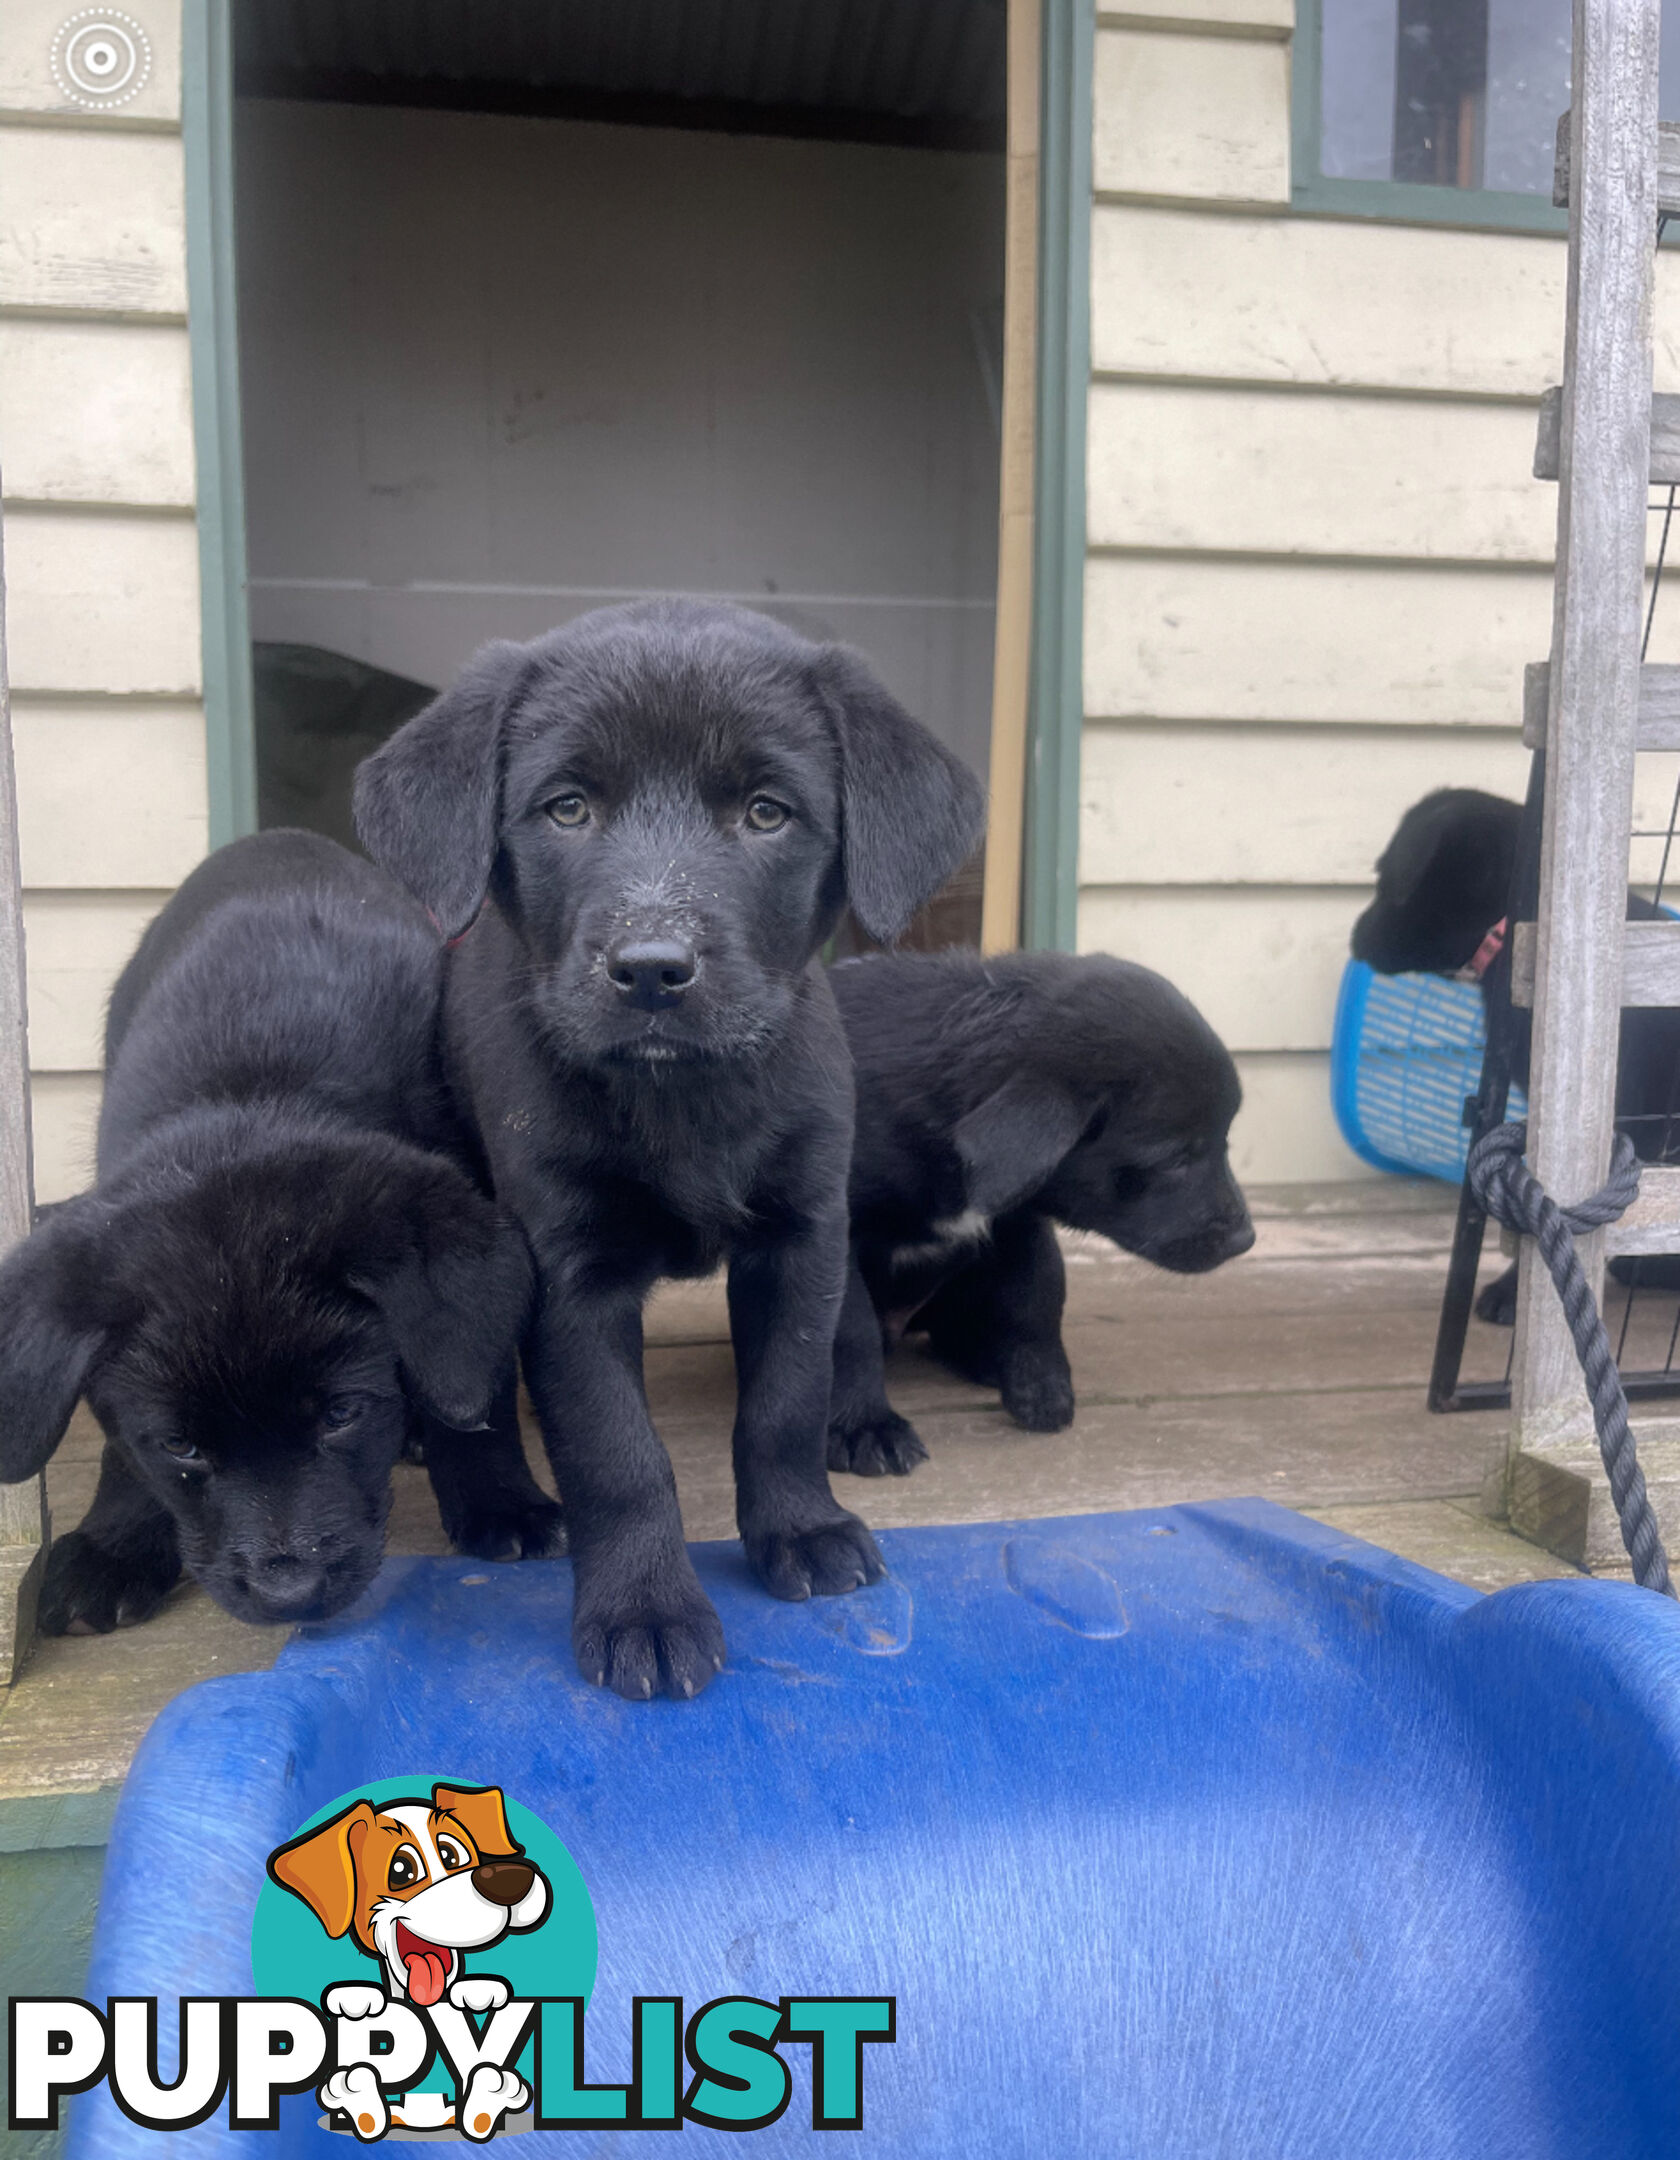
pixel 480 1812
pixel 911 813
pixel 320 1867
pixel 1010 1143
pixel 1412 856
pixel 453 1279
pixel 51 1325
pixel 427 802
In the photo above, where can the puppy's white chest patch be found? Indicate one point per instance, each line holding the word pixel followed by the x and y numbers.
pixel 947 1238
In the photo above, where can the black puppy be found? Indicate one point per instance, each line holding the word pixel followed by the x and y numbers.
pixel 1443 887
pixel 282 1271
pixel 668 805
pixel 995 1099
pixel 1443 883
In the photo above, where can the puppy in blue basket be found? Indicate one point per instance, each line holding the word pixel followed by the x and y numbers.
pixel 286 1269
pixel 995 1099
pixel 1443 887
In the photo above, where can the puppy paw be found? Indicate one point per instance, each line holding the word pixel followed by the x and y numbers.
pixel 479 1992
pixel 355 1999
pixel 1038 1393
pixel 355 2092
pixel 666 1640
pixel 887 1446
pixel 507 1526
pixel 490 2095
pixel 825 1558
pixel 88 1591
pixel 1497 1304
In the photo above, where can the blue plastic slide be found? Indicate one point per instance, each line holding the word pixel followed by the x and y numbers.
pixel 1200 1832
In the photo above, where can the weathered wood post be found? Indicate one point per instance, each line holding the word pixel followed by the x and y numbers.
pixel 23 1508
pixel 1577 947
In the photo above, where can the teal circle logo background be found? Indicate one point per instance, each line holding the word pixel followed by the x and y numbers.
pixel 292 1954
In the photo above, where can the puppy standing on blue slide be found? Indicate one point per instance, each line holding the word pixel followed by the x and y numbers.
pixel 643 828
pixel 284 1270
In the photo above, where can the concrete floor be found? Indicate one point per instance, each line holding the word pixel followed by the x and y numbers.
pixel 1296 1373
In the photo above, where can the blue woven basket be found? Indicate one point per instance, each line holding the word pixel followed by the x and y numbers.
pixel 1406 1052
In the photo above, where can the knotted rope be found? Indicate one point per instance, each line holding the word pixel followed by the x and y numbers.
pixel 1510 1192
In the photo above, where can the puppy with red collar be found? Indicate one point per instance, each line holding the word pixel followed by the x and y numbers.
pixel 416 1885
pixel 1442 899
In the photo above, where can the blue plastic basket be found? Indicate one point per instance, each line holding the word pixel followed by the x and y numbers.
pixel 1405 1054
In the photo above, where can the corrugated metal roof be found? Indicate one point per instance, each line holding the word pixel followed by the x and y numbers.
pixel 911 60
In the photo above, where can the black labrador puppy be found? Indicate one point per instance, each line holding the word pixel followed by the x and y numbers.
pixel 1443 887
pixel 668 806
pixel 284 1270
pixel 995 1099
pixel 1443 884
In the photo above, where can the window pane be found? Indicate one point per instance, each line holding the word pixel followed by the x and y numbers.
pixel 1528 86
pixel 1454 93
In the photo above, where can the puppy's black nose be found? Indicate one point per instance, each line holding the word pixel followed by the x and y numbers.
pixel 503 1882
pixel 651 972
pixel 287 1586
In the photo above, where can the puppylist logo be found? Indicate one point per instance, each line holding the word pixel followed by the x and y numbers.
pixel 424 1953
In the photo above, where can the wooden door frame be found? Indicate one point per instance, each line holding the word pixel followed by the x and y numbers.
pixel 1032 837
pixel 213 340
pixel 1038 702
pixel 25 1525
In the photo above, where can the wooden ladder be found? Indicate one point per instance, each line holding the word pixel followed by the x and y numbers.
pixel 1593 706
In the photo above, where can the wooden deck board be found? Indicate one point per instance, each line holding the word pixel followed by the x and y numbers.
pixel 1296 1373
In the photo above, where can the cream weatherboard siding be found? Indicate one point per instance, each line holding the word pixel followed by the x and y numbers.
pixel 102 606
pixel 1317 562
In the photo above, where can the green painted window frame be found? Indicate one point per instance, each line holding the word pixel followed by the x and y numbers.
pixel 213 340
pixel 1402 202
pixel 1056 696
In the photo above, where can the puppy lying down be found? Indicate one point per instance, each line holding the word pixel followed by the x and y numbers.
pixel 284 1269
pixel 995 1099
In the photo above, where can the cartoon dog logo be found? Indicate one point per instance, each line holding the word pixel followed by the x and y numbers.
pixel 416 1885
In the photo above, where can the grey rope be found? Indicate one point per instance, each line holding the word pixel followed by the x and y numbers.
pixel 1509 1191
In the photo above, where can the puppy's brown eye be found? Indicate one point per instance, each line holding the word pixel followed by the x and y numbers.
pixel 405 1869
pixel 180 1450
pixel 451 1854
pixel 569 810
pixel 766 815
pixel 340 1413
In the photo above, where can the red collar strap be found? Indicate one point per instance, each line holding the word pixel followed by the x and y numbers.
pixel 1488 951
pixel 449 944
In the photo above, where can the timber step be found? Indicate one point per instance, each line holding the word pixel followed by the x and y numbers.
pixel 1651 1224
pixel 1665 437
pixel 1668 167
pixel 1650 964
pixel 1659 705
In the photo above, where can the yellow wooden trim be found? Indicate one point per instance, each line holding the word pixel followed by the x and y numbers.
pixel 1000 917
